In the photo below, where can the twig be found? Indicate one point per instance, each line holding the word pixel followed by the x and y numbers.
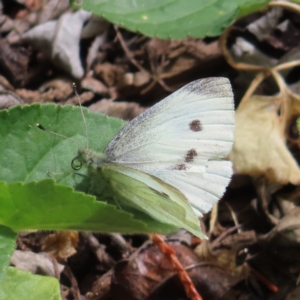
pixel 213 218
pixel 233 215
pixel 253 86
pixel 286 5
pixel 224 235
pixel 188 284
pixel 99 251
pixel 120 243
pixel 138 65
pixel 74 289
pixel 272 287
pixel 287 65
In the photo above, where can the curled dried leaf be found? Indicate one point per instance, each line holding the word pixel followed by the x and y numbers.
pixel 61 244
pixel 260 142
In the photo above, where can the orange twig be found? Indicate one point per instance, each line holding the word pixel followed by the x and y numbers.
pixel 272 287
pixel 188 284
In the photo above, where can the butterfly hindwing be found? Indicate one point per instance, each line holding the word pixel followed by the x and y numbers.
pixel 151 195
pixel 183 141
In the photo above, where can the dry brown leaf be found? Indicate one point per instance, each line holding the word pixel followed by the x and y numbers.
pixel 281 245
pixel 260 146
pixel 147 274
pixel 94 85
pixel 108 73
pixel 173 57
pixel 36 263
pixel 287 229
pixel 294 295
pixel 60 41
pixel 136 79
pixel 224 257
pixel 83 98
pixel 8 99
pixel 54 90
pixel 61 244
pixel 123 110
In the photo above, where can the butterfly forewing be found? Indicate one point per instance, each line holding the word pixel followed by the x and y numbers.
pixel 183 141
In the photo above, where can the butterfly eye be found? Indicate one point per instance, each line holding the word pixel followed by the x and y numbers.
pixel 76 164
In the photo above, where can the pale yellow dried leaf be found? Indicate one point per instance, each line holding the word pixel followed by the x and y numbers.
pixel 260 146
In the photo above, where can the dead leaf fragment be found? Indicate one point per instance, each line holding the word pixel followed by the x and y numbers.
pixel 246 52
pixel 66 52
pixel 294 295
pixel 123 110
pixel 59 40
pixel 41 37
pixel 264 26
pixel 260 147
pixel 57 90
pixel 61 244
pixel 84 97
pixel 224 257
pixel 14 63
pixel 36 263
pixel 8 99
pixel 148 274
pixel 94 85
pixel 287 229
pixel 110 74
pixel 136 277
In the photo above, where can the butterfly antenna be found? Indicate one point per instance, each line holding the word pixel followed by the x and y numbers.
pixel 82 114
pixel 40 126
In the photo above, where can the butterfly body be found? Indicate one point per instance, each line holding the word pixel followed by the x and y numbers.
pixel 89 157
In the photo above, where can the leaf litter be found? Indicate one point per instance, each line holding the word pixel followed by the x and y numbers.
pixel 253 246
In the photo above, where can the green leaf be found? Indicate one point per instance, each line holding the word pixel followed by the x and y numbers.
pixel 21 285
pixel 29 154
pixel 173 18
pixel 48 206
pixel 7 247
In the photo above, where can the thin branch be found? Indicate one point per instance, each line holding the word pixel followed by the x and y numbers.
pixel 286 5
pixel 138 65
pixel 169 252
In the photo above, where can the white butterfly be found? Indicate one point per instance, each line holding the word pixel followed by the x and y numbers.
pixel 175 151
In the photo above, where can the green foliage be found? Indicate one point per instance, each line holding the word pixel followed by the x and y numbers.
pixel 29 154
pixel 22 285
pixel 7 247
pixel 173 18
pixel 47 206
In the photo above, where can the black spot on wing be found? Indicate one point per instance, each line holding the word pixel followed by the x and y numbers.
pixel 196 125
pixel 189 157
pixel 179 167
